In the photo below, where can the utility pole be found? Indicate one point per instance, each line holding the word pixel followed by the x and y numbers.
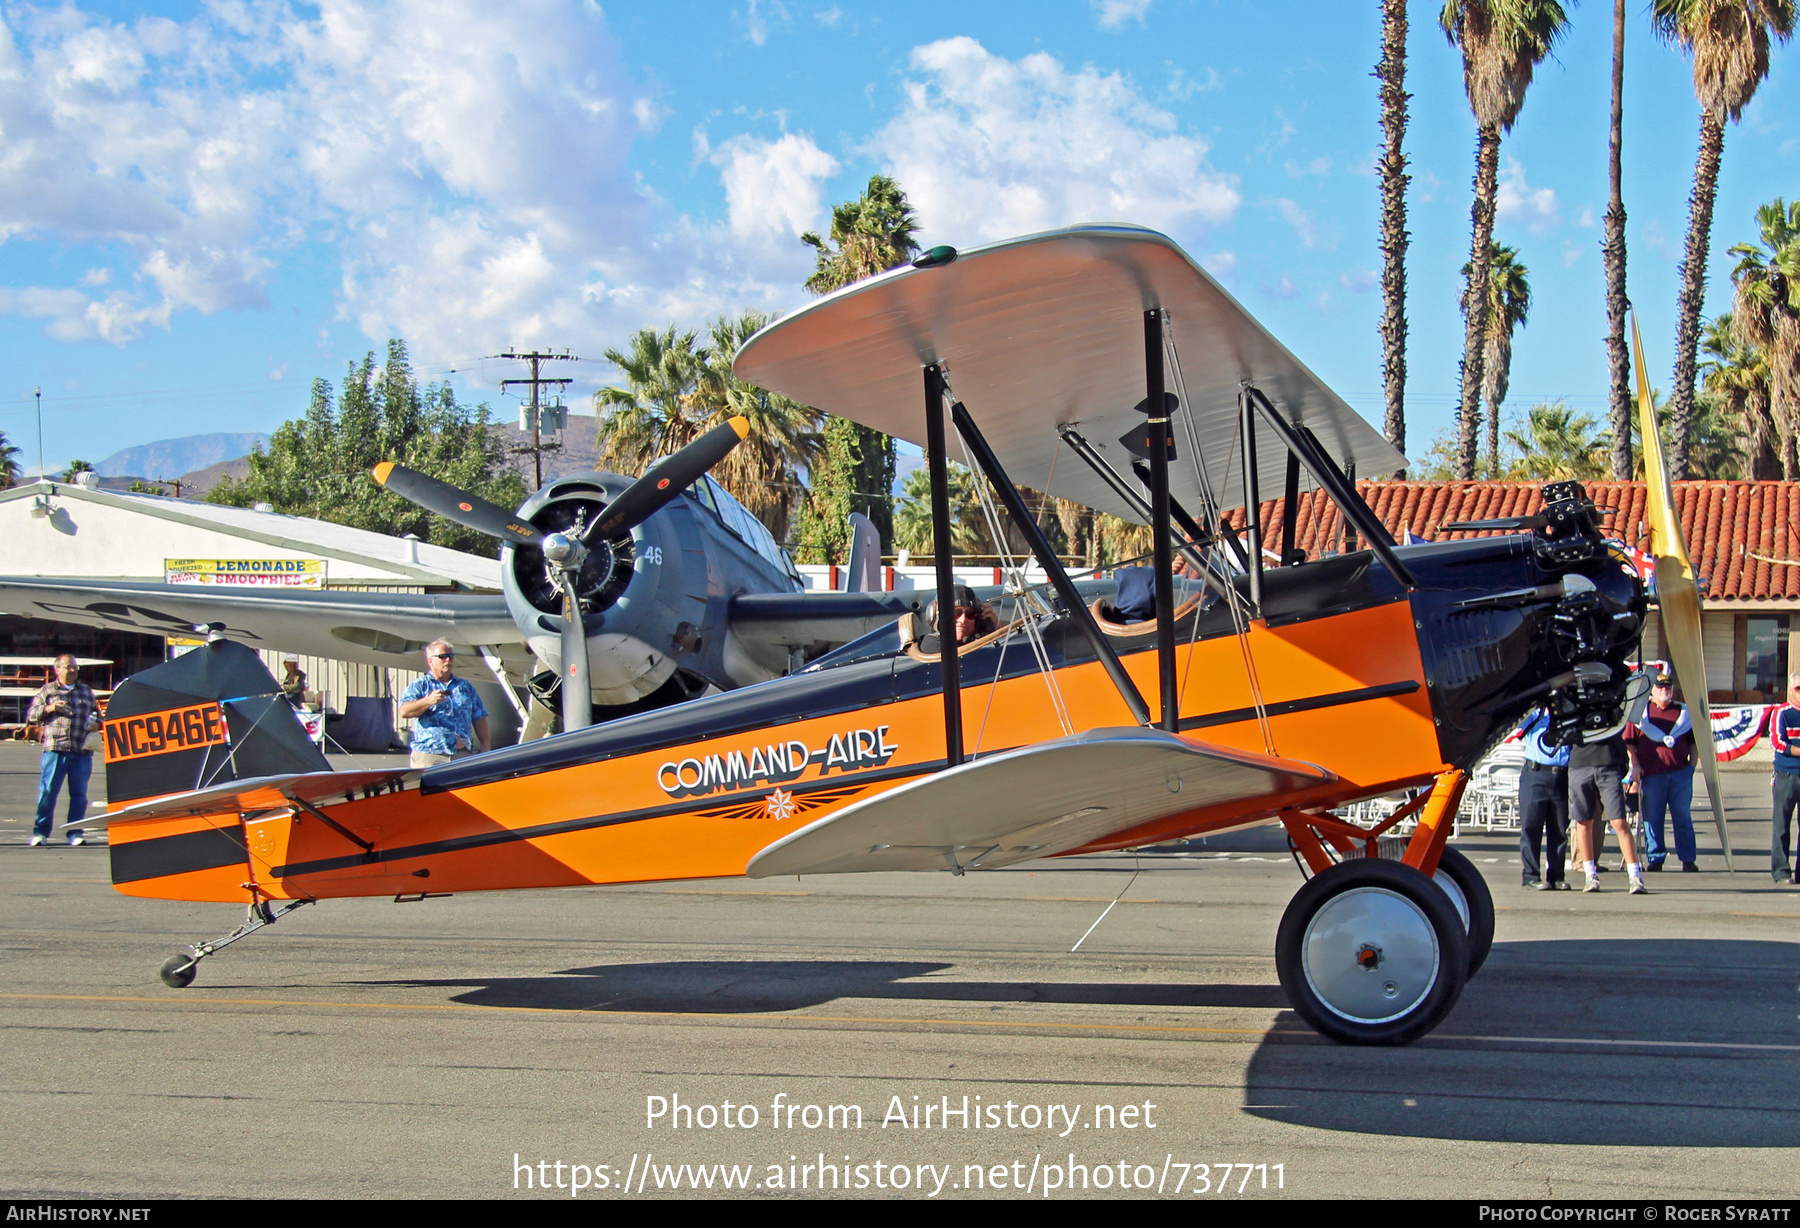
pixel 39 394
pixel 538 447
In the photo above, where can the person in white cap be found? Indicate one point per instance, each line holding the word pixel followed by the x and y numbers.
pixel 294 684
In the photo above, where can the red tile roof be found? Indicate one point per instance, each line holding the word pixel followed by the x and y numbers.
pixel 1744 537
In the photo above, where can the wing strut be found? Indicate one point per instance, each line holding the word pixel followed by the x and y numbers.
pixel 1160 547
pixel 938 459
pixel 1027 525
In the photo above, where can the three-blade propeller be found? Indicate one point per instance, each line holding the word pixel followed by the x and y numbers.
pixel 567 552
pixel 1677 596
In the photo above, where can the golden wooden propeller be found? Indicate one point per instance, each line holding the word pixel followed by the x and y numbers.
pixel 1676 593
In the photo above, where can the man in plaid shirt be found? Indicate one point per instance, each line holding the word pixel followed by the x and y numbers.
pixel 67 713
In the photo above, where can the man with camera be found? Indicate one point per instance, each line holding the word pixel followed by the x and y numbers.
pixel 66 712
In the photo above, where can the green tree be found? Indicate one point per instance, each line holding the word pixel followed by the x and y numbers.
pixel 1502 43
pixel 660 410
pixel 1716 444
pixel 1558 445
pixel 677 388
pixel 1729 42
pixel 75 467
pixel 319 465
pixel 10 472
pixel 1736 377
pixel 912 513
pixel 763 471
pixel 1766 311
pixel 855 473
pixel 1508 305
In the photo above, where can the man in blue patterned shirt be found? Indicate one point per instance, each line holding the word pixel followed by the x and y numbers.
pixel 448 717
pixel 1543 806
pixel 66 712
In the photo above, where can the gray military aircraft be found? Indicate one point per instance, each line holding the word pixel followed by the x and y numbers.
pixel 679 591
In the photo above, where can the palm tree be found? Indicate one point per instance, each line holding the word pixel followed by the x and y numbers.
pixel 1729 40
pixel 1766 312
pixel 76 467
pixel 660 409
pixel 1717 448
pixel 10 472
pixel 873 233
pixel 762 472
pixel 1391 72
pixel 869 235
pixel 912 514
pixel 1557 445
pixel 1509 302
pixel 1502 43
pixel 1612 253
pixel 1736 378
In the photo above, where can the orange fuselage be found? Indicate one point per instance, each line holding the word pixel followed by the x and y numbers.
pixel 1345 691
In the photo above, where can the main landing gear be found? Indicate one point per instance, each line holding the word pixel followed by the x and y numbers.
pixel 1371 951
pixel 178 971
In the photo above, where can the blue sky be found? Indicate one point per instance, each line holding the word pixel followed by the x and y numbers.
pixel 203 206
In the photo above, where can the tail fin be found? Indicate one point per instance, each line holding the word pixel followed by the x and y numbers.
pixel 212 715
pixel 864 571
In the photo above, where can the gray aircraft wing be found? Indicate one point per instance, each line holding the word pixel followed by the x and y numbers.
pixel 371 628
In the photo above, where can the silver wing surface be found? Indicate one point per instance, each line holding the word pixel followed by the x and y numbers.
pixel 372 628
pixel 1047 330
pixel 1033 802
pixel 257 793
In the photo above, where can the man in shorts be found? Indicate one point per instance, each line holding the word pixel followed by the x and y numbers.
pixel 1597 782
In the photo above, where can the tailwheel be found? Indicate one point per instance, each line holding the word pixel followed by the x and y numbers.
pixel 178 971
pixel 1468 891
pixel 1371 952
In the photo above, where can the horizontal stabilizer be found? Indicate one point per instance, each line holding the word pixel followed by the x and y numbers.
pixel 1033 802
pixel 260 793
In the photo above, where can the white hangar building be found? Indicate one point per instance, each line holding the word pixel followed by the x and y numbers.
pixel 65 547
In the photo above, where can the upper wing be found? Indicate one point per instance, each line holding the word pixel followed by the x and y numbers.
pixel 1047 330
pixel 373 628
pixel 1033 802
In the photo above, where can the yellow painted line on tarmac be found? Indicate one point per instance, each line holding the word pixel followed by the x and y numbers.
pixel 1792 916
pixel 697 891
pixel 737 1016
pixel 913 1021
pixel 68 880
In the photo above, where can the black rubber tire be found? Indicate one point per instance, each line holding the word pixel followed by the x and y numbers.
pixel 1362 873
pixel 1480 900
pixel 179 971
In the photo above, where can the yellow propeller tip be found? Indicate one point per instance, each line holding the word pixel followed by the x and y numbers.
pixel 382 470
pixel 741 426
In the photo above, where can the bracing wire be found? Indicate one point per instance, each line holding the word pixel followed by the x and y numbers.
pixel 1239 623
pixel 1022 600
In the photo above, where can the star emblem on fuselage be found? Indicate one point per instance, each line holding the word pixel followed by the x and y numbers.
pixel 781 804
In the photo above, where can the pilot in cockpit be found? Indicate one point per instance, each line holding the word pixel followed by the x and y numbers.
pixel 974 619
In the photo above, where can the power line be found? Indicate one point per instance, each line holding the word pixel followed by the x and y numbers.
pixel 538 446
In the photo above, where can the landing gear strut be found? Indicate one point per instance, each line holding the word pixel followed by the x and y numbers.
pixel 178 971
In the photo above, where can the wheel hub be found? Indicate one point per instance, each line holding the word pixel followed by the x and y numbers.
pixel 1370 954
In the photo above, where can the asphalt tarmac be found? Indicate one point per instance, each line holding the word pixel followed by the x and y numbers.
pixel 1613 1047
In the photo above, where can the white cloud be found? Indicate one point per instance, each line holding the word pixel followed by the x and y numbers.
pixel 1183 87
pixel 472 194
pixel 1518 201
pixel 773 189
pixel 1112 14
pixel 1318 166
pixel 1587 217
pixel 1361 281
pixel 830 16
pixel 1222 264
pixel 989 147
pixel 1304 227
